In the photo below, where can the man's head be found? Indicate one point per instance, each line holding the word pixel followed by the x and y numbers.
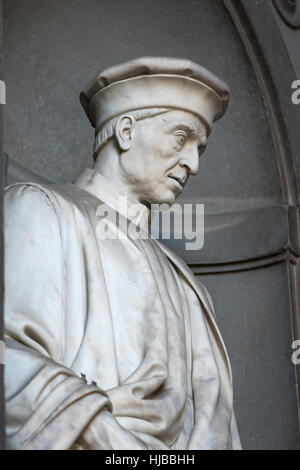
pixel 158 150
pixel 152 117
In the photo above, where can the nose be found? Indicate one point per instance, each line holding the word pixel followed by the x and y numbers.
pixel 190 160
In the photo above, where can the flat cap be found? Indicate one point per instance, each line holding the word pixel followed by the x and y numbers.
pixel 151 82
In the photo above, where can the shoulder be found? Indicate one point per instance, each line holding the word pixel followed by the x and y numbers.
pixel 25 194
pixel 41 210
pixel 33 198
pixel 31 208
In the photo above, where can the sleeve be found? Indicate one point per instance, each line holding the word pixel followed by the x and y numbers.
pixel 47 405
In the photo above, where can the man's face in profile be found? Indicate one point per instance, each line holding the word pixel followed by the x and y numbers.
pixel 164 151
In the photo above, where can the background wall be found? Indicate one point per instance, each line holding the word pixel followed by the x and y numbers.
pixel 2 429
pixel 53 49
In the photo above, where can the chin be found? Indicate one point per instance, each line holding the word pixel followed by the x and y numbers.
pixel 165 198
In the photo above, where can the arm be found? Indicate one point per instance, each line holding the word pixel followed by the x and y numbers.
pixel 47 406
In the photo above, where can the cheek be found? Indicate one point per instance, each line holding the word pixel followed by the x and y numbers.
pixel 167 146
pixel 156 154
pixel 165 153
pixel 156 144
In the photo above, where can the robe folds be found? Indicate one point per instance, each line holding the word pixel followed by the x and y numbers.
pixel 110 343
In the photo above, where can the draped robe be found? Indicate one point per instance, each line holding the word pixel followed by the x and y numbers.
pixel 111 338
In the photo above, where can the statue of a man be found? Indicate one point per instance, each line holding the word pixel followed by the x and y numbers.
pixel 112 342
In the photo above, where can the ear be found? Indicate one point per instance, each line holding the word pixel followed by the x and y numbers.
pixel 124 131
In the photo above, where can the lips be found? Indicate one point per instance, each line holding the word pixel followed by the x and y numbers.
pixel 179 180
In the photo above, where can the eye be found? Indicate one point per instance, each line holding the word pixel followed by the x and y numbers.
pixel 180 137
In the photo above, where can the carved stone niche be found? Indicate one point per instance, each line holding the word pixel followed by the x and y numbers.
pixel 289 10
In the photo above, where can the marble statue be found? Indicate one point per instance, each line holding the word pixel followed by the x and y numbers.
pixel 112 343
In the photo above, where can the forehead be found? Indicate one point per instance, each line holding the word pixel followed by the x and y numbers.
pixel 184 119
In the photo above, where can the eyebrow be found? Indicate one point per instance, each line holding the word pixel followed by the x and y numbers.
pixel 190 127
pixel 192 130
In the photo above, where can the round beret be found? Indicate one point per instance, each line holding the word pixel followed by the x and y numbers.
pixel 150 82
